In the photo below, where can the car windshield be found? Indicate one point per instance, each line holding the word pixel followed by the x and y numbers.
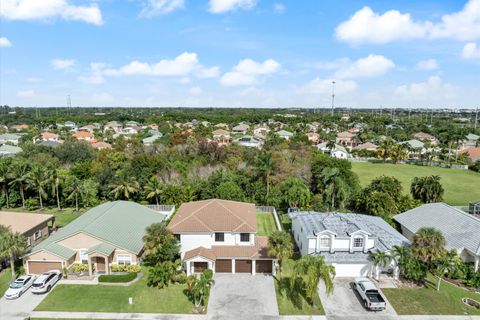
pixel 16 285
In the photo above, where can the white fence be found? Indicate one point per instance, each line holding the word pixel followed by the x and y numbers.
pixel 166 209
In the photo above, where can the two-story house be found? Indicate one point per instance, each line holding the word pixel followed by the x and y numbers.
pixel 34 227
pixel 345 239
pixel 221 235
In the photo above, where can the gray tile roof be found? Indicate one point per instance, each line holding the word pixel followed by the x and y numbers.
pixel 460 229
pixel 346 257
pixel 344 224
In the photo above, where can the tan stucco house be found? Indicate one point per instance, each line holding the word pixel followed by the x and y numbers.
pixel 34 226
pixel 109 234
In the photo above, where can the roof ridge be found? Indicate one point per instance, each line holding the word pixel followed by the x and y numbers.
pixel 243 220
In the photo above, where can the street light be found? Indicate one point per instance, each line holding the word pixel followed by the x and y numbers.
pixel 333 96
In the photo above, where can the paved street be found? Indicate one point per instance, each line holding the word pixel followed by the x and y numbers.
pixel 243 296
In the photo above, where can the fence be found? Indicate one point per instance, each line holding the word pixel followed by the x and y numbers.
pixel 270 209
pixel 166 209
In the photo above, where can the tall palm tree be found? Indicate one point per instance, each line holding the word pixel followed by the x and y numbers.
pixel 5 167
pixel 398 152
pixel 154 188
pixel 330 145
pixel 54 181
pixel 428 245
pixel 20 172
pixel 335 188
pixel 280 246
pixel 124 187
pixel 384 149
pixel 427 189
pixel 312 269
pixel 37 180
pixel 380 259
pixel 265 166
pixel 12 245
pixel 74 190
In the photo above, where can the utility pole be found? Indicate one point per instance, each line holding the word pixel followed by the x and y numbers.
pixel 476 118
pixel 333 96
pixel 431 117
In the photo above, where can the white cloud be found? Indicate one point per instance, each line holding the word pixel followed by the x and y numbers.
pixel 185 64
pixel 367 26
pixel 368 67
pixel 185 80
pixel 102 97
pixel 25 93
pixel 155 7
pixel 48 9
pixel 434 89
pixel 471 51
pixel 221 6
pixel 95 76
pixel 429 64
pixel 195 90
pixel 5 43
pixel 62 64
pixel 319 86
pixel 279 8
pixel 247 70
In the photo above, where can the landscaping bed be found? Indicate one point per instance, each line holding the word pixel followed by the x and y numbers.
pixel 117 278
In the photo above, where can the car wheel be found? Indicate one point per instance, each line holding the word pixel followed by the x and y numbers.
pixel 48 289
pixel 366 304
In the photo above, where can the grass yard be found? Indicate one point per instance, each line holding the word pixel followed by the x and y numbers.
pixel 62 217
pixel 461 186
pixel 427 300
pixel 5 278
pixel 265 224
pixel 293 304
pixel 99 298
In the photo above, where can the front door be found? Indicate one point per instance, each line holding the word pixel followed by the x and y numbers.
pixel 100 264
pixel 199 267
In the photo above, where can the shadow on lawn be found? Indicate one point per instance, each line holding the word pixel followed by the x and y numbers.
pixel 292 290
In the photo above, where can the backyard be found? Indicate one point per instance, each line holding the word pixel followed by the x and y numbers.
pixel 456 193
pixel 102 298
pixel 427 300
pixel 265 224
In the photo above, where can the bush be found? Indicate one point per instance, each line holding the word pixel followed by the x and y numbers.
pixel 79 267
pixel 117 278
pixel 125 268
pixel 32 204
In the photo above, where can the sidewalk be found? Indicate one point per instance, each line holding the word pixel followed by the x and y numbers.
pixel 114 316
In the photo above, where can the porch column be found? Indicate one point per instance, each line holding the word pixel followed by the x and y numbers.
pixel 254 263
pixel 396 272
pixel 233 266
pixel 188 268
pixel 90 271
pixel 274 267
pixel 477 259
pixel 107 266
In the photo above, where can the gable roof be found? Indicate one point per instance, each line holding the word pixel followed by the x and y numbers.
pixel 413 143
pixel 23 222
pixel 365 146
pixel 346 224
pixel 285 133
pixel 215 215
pixel 118 223
pixel 7 149
pixel 460 229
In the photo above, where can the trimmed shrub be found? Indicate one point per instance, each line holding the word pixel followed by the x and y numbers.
pixel 125 268
pixel 79 267
pixel 117 278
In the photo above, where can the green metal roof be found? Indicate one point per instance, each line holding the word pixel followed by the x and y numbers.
pixel 60 251
pixel 103 248
pixel 119 223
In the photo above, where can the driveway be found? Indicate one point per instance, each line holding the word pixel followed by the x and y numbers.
pixel 20 308
pixel 345 303
pixel 243 296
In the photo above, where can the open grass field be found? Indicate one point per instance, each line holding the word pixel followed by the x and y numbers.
pixel 427 300
pixel 99 298
pixel 265 224
pixel 461 186
pixel 290 302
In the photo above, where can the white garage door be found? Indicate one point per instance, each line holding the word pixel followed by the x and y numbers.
pixel 352 270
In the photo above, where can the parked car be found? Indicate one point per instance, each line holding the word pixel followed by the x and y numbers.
pixel 370 295
pixel 46 281
pixel 19 286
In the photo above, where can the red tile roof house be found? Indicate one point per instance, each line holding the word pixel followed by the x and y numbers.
pixel 346 138
pixel 221 235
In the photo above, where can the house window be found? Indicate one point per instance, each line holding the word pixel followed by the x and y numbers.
pixel 358 242
pixel 325 242
pixel 83 256
pixel 124 260
pixel 219 236
pixel 177 236
pixel 29 241
pixel 37 235
pixel 244 237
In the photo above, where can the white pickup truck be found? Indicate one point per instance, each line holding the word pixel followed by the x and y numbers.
pixel 371 296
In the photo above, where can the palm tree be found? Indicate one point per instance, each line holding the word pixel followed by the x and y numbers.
pixel 124 186
pixel 12 245
pixel 398 152
pixel 5 177
pixel 330 145
pixel 428 245
pixel 380 259
pixel 20 171
pixel 265 166
pixel 280 246
pixel 427 189
pixel 201 287
pixel 335 188
pixel 37 180
pixel 312 269
pixel 74 190
pixel 154 189
pixel 54 182
pixel 384 149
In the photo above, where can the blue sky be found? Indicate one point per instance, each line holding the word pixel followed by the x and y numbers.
pixel 240 53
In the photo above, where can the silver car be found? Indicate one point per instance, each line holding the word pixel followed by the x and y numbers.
pixel 19 286
pixel 46 281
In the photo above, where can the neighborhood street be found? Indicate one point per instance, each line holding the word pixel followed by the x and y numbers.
pixel 20 308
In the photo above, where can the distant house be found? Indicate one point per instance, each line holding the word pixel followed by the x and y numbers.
pixel 84 136
pixel 460 229
pixel 132 124
pixel 345 239
pixel 88 128
pixel 49 143
pixel 249 141
pixel 109 234
pixel 366 146
pixel 19 127
pixel 34 226
pixel 72 126
pixel 345 138
pixel 284 134
pixel 101 145
pixel 114 126
pixel 415 147
pixel 471 140
pixel 472 153
pixel 9 151
pixel 221 126
pixel 240 129
pixel 338 151
pixel 48 136
pixel 422 136
pixel 221 136
pixel 130 130
pixel 313 137
pixel 151 140
pixel 261 130
pixel 10 138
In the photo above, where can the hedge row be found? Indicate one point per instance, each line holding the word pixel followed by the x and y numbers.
pixel 117 277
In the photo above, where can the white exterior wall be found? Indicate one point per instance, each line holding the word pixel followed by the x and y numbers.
pixel 352 269
pixel 341 244
pixel 339 154
pixel 207 240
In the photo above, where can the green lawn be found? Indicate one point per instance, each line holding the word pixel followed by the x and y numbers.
pixel 427 300
pixel 461 186
pixel 293 304
pixel 100 298
pixel 5 278
pixel 265 224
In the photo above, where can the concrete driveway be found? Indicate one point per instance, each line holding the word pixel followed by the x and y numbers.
pixel 345 303
pixel 20 308
pixel 242 296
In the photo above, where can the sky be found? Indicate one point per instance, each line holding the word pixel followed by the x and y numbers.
pixel 240 53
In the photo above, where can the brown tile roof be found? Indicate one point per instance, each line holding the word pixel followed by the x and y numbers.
pixel 473 153
pixel 257 251
pixel 215 215
pixel 23 222
pixel 49 135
